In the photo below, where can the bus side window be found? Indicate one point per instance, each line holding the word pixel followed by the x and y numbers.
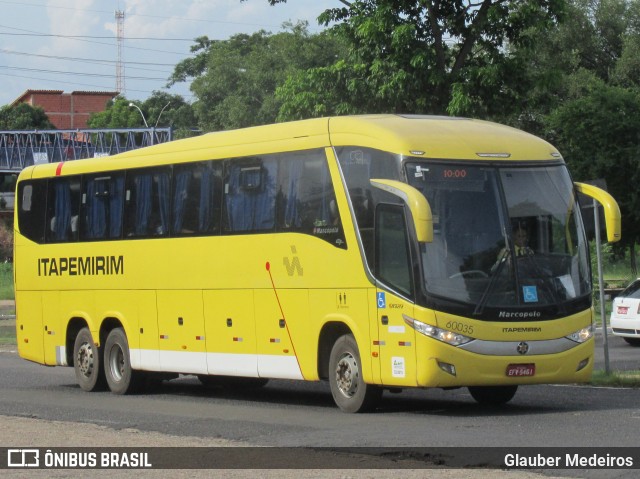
pixel 147 202
pixel 62 210
pixel 250 194
pixel 32 209
pixel 308 200
pixel 196 188
pixel 102 204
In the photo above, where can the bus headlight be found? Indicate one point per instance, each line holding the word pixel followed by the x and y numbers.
pixel 449 337
pixel 582 335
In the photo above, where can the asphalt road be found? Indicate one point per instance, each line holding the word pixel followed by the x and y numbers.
pixel 289 413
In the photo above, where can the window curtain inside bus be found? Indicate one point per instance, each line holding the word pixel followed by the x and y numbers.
pixel 62 218
pixel 183 178
pixel 143 184
pixel 116 197
pixel 252 208
pixel 164 197
pixel 96 209
pixel 206 195
pixel 104 208
pixel 292 218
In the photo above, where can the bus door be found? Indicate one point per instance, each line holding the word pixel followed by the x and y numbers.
pixel 396 340
pixel 181 332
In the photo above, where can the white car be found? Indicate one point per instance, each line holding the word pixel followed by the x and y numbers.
pixel 625 314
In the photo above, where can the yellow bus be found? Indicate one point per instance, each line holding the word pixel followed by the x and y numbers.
pixel 375 252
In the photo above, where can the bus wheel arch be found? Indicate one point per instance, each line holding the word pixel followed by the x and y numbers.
pixel 328 336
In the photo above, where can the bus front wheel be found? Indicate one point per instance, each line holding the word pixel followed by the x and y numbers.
pixel 87 362
pixel 117 364
pixel 493 395
pixel 348 389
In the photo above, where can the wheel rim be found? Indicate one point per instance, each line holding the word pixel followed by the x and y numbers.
pixel 116 363
pixel 85 359
pixel 347 375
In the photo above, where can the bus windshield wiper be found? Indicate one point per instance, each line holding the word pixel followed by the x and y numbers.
pixel 502 260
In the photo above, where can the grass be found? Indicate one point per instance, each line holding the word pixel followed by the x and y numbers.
pixel 616 379
pixel 6 281
pixel 8 332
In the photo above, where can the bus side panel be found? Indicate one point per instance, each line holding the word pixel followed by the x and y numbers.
pixel 181 332
pixel 67 305
pixel 397 340
pixel 136 311
pixel 231 333
pixel 52 323
pixel 143 341
pixel 29 329
pixel 274 331
pixel 349 307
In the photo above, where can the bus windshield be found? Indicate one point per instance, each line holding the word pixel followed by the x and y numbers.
pixel 506 239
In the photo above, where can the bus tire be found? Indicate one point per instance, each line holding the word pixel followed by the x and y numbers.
pixel 87 362
pixel 350 392
pixel 117 364
pixel 493 395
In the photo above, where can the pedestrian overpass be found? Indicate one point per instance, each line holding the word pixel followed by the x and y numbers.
pixel 19 149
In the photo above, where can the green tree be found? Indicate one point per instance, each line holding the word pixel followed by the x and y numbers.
pixel 234 81
pixel 161 109
pixel 586 103
pixel 117 114
pixel 599 135
pixel 24 117
pixel 414 56
pixel 596 41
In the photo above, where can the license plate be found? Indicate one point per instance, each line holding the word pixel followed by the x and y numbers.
pixel 519 370
pixel 623 309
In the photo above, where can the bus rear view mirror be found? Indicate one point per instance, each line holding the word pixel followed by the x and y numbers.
pixel 611 209
pixel 417 203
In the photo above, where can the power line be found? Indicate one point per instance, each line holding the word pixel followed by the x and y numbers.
pixel 95 61
pixel 95 37
pixel 129 14
pixel 100 87
pixel 34 33
pixel 57 72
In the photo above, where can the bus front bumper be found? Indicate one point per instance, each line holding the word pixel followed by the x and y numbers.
pixel 443 365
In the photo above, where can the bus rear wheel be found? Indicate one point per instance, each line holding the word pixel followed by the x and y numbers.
pixel 493 395
pixel 87 362
pixel 349 391
pixel 117 364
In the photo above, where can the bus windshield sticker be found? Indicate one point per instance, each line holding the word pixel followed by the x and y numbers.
pixel 397 367
pixel 530 294
pixel 382 301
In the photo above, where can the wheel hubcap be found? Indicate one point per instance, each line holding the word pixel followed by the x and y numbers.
pixel 85 359
pixel 116 363
pixel 347 375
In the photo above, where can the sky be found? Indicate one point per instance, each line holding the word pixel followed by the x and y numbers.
pixel 71 45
